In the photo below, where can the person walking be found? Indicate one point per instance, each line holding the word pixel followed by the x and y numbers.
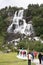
pixel 40 57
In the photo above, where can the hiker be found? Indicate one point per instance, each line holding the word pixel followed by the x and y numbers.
pixel 40 57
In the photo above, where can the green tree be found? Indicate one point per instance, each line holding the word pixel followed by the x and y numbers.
pixel 38 25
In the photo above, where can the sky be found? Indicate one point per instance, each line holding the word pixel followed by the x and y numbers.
pixel 19 3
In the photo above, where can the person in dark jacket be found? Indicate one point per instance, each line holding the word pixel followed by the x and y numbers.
pixel 40 57
pixel 32 55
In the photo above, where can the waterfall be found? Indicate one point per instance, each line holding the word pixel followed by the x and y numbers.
pixel 20 14
pixel 19 24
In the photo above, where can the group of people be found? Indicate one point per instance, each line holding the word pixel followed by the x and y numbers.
pixel 23 53
pixel 32 56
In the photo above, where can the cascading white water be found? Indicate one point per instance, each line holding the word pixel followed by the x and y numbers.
pixel 20 14
pixel 19 24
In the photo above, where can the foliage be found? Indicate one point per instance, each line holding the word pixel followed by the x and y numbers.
pixel 38 25
pixel 41 37
pixel 31 45
pixel 23 44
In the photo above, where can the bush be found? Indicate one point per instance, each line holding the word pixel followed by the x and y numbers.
pixel 23 44
pixel 31 45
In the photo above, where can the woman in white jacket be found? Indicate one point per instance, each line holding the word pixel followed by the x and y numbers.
pixel 29 58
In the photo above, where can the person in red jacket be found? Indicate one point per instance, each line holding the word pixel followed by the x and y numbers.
pixel 35 54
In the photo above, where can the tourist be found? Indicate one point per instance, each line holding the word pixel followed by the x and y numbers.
pixel 24 53
pixel 32 55
pixel 40 57
pixel 35 54
pixel 29 58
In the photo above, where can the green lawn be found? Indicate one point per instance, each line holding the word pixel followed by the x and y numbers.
pixel 11 59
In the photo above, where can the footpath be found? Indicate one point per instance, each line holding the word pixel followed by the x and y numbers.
pixel 36 61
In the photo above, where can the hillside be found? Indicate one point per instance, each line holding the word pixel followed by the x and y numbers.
pixel 33 12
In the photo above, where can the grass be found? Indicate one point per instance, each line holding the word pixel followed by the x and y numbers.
pixel 11 59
